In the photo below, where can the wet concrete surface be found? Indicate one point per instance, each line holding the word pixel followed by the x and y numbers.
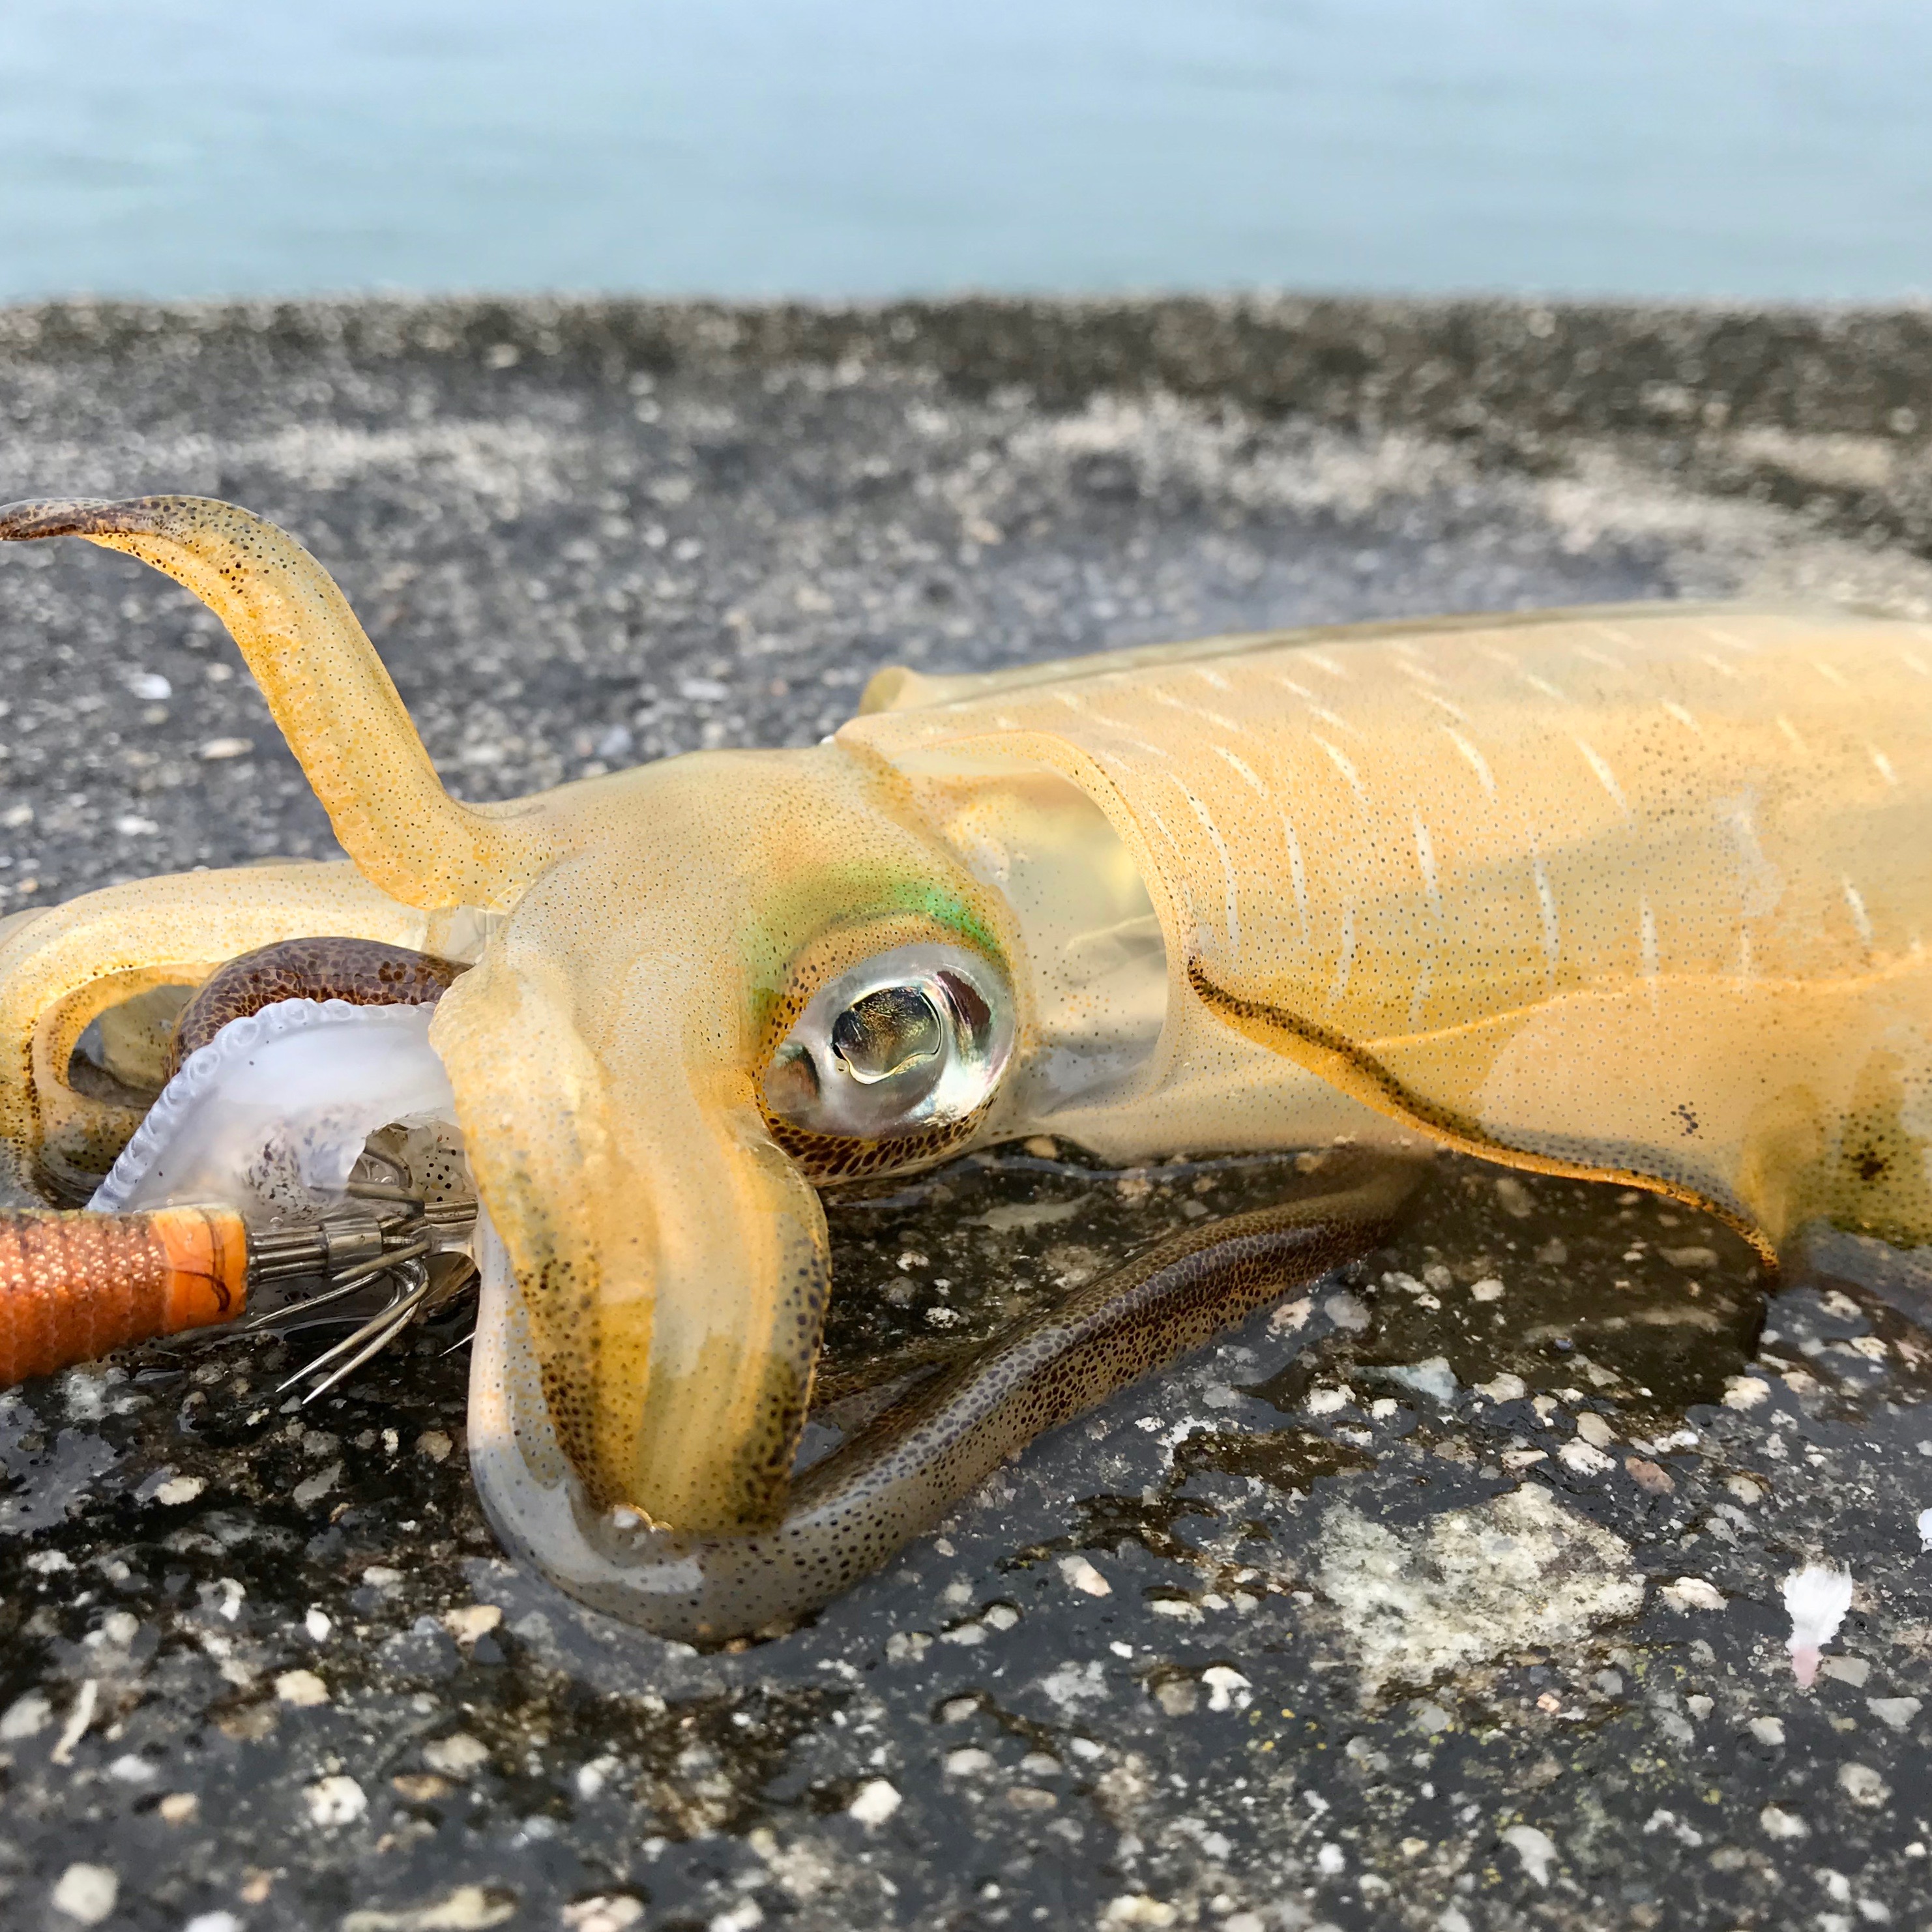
pixel 1448 1595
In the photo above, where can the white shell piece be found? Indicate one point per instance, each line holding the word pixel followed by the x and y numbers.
pixel 276 1108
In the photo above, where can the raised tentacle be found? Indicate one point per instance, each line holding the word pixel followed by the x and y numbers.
pixel 326 688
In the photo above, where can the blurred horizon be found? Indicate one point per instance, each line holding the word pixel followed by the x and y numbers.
pixel 1754 150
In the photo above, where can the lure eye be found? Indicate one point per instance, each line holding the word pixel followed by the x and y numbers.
pixel 910 1039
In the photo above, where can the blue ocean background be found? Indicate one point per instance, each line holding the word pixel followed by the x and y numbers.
pixel 1762 149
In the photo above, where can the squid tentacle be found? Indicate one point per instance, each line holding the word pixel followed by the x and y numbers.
pixel 918 1459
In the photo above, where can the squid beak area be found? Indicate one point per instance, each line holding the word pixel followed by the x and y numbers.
pixel 673 1262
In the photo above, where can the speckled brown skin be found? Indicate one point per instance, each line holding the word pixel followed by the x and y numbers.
pixel 73 1287
pixel 365 972
pixel 823 1159
pixel 912 1463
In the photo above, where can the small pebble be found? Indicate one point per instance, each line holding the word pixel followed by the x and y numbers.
pixel 1433 1378
pixel 1692 1593
pixel 26 1717
pixel 316 1486
pixel 457 1755
pixel 603 1912
pixel 1896 1713
pixel 301 1688
pixel 1536 1850
pixel 87 1893
pixel 1084 1576
pixel 472 1620
pixel 1348 1312
pixel 333 1801
pixel 1652 1477
pixel 1585 1461
pixel 1227 1688
pixel 874 1802
pixel 1138 1909
pixel 1514 1197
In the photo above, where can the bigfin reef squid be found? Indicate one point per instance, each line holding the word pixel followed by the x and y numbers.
pixel 1639 894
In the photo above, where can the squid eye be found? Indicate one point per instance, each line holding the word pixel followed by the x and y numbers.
pixel 913 1038
pixel 886 1033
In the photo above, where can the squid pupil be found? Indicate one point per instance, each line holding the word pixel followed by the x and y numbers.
pixel 886 1032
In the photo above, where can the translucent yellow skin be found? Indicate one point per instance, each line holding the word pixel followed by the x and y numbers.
pixel 1633 893
pixel 1637 893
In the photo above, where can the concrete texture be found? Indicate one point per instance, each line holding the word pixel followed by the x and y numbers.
pixel 1448 1596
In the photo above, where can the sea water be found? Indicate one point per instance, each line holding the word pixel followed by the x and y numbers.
pixel 1764 149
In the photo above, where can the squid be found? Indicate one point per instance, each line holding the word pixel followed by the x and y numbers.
pixel 1637 894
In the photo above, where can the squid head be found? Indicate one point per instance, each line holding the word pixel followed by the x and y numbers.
pixel 751 976
pixel 709 984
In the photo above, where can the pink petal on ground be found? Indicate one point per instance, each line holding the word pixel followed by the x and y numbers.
pixel 1816 1600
